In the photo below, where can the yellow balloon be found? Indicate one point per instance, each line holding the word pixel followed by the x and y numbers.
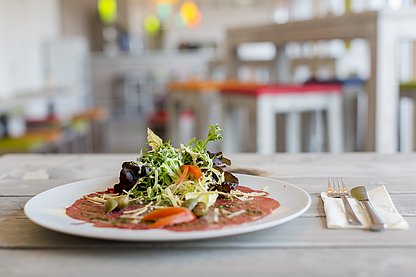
pixel 195 21
pixel 189 11
pixel 152 24
pixel 107 10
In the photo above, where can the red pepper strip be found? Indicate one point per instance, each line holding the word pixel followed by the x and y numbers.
pixel 181 217
pixel 185 169
pixel 164 212
pixel 196 171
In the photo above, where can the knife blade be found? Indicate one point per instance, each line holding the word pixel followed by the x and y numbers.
pixel 376 223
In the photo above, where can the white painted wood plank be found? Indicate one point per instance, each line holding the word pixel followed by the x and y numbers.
pixel 309 171
pixel 12 207
pixel 74 167
pixel 28 188
pixel 280 165
pixel 214 262
pixel 322 165
pixel 312 185
pixel 20 233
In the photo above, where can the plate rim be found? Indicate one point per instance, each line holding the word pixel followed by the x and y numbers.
pixel 165 235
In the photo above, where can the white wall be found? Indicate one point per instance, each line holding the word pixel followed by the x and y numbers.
pixel 215 23
pixel 25 25
pixel 4 86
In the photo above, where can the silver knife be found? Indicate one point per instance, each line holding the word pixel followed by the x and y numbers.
pixel 376 223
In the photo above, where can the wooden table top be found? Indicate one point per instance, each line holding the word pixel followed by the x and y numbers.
pixel 300 247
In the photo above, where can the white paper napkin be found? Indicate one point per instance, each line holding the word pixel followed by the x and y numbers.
pixel 335 211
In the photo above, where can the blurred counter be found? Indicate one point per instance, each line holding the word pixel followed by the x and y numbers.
pixel 153 70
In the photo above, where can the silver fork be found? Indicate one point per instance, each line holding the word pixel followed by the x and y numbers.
pixel 338 189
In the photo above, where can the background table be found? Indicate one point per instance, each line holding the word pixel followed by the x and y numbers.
pixel 300 247
pixel 263 103
pixel 382 30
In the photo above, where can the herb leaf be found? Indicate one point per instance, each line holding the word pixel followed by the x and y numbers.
pixel 213 135
pixel 153 140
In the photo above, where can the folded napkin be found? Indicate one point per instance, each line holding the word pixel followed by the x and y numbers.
pixel 335 211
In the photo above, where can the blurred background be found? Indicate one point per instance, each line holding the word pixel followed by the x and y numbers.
pixel 89 76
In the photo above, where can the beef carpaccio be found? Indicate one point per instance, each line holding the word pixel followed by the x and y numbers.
pixel 226 212
pixel 179 189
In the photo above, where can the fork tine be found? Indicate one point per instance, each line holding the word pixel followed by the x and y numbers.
pixel 329 188
pixel 339 191
pixel 335 188
pixel 344 187
pixel 335 181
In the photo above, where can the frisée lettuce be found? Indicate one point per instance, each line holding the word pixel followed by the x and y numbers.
pixel 166 176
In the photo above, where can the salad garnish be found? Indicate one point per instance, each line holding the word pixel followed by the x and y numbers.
pixel 171 185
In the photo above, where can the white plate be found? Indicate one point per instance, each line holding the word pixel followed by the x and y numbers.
pixel 47 209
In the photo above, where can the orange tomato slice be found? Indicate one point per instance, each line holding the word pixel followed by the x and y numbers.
pixel 164 212
pixel 173 219
pixel 195 170
pixel 185 169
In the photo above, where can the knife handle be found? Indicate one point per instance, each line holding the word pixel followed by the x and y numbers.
pixel 376 223
pixel 349 212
